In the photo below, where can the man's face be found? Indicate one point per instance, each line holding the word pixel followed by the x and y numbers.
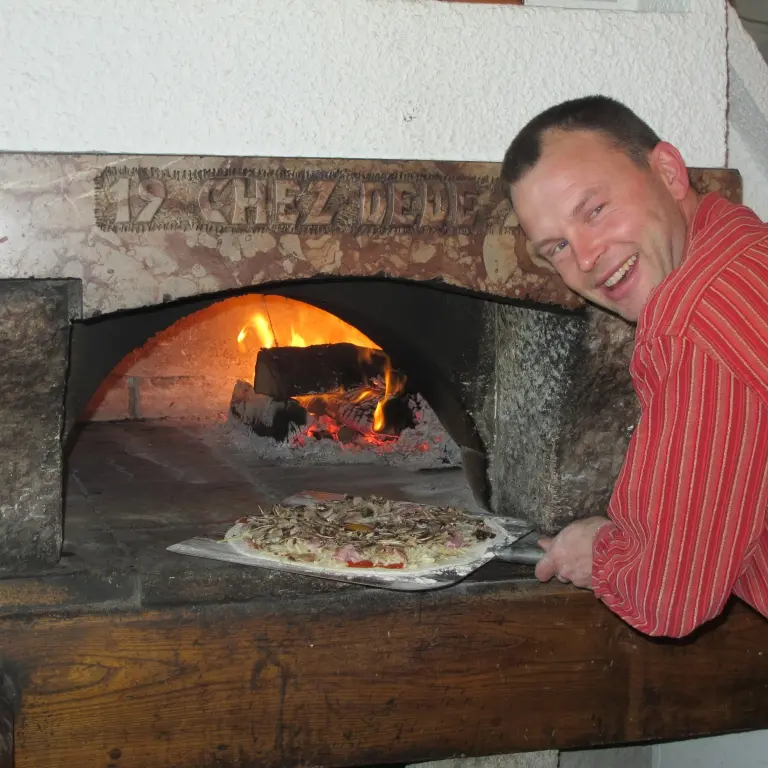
pixel 612 229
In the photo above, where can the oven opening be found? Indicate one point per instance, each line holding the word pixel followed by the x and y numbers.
pixel 282 378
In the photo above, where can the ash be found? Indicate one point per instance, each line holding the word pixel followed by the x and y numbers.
pixel 425 446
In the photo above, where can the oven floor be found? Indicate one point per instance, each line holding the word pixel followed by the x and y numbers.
pixel 134 488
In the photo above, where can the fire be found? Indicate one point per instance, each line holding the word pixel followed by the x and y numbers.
pixel 260 324
pixel 285 322
pixel 393 385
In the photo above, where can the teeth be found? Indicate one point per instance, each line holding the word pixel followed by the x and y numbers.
pixel 620 272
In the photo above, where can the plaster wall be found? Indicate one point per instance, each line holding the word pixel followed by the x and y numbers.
pixel 344 78
pixel 748 113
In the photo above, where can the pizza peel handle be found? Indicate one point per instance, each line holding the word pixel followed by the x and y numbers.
pixel 521 547
pixel 524 551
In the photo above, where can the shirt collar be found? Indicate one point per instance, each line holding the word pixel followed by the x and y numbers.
pixel 711 207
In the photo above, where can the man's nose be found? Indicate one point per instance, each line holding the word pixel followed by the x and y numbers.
pixel 587 251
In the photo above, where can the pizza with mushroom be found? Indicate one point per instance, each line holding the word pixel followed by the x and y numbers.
pixel 359 532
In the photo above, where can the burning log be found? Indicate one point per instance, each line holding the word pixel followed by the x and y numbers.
pixel 397 413
pixel 355 411
pixel 265 416
pixel 284 372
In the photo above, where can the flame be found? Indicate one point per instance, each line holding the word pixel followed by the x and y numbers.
pixel 288 323
pixel 285 322
pixel 364 395
pixel 393 385
pixel 259 323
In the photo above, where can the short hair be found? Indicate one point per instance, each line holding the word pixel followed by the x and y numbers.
pixel 601 114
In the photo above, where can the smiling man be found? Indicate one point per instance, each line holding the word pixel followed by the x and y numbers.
pixel 610 206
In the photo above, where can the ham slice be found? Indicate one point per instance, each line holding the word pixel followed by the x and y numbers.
pixel 347 554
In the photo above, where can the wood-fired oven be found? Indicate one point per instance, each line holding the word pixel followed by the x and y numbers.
pixel 129 340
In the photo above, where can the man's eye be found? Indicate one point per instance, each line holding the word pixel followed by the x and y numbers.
pixel 596 211
pixel 559 247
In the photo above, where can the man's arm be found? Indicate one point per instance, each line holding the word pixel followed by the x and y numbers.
pixel 691 499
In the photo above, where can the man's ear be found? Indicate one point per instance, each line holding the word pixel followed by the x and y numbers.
pixel 668 164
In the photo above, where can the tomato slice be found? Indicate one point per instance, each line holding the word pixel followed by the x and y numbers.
pixel 369 564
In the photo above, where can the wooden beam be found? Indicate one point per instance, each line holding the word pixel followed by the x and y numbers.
pixel 481 670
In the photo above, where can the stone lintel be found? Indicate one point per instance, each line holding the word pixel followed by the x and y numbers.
pixel 144 230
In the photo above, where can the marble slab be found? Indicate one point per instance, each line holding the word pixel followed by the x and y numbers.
pixel 143 230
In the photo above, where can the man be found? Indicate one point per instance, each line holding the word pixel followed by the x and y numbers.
pixel 611 207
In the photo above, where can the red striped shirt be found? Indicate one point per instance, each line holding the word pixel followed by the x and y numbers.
pixel 689 507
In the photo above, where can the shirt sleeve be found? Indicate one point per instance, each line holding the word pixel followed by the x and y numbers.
pixel 690 501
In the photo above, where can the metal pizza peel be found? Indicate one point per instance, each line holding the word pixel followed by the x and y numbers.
pixel 515 542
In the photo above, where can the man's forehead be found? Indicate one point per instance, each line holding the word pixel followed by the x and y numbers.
pixel 578 151
pixel 557 140
pixel 570 164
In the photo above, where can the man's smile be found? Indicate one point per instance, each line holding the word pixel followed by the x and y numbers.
pixel 620 274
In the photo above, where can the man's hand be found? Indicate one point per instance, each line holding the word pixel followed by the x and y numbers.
pixel 569 555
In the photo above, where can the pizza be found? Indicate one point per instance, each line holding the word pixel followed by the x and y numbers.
pixel 361 532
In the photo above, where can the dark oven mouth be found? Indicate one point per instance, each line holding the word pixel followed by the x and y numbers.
pixel 319 373
pixel 298 379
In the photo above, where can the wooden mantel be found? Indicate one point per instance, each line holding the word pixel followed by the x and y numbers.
pixel 359 677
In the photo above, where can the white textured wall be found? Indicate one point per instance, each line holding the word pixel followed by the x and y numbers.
pixel 755 179
pixel 748 114
pixel 670 6
pixel 755 14
pixel 353 78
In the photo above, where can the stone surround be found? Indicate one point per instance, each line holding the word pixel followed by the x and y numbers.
pixel 144 230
